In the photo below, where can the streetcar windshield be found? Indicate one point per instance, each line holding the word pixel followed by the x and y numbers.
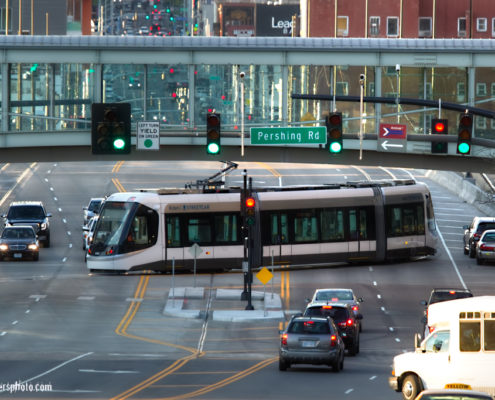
pixel 113 219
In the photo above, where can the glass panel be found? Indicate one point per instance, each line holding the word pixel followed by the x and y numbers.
pixel 469 336
pixel 332 225
pixel 489 332
pixel 199 230
pixel 173 231
pixel 226 228
pixel 438 342
pixel 305 227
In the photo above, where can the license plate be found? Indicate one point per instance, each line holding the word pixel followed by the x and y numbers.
pixel 17 255
pixel 308 343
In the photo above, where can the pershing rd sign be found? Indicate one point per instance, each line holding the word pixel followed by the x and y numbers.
pixel 292 136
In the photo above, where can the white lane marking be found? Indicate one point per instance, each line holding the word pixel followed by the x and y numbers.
pixel 86 298
pixel 54 368
pixel 59 209
pixel 15 322
pixel 374 283
pixel 133 299
pixel 52 189
pixel 382 308
pixel 55 199
pixel 391 329
pixel 280 181
pixel 372 378
pixel 64 220
pixel 397 339
pixel 70 245
pixel 68 233
pixel 3 333
pixel 379 296
pixel 37 296
pixel 27 311
pixel 349 391
pixel 97 371
pixel 371 269
pixel 46 179
pixel 21 177
pixel 64 259
pixel 451 258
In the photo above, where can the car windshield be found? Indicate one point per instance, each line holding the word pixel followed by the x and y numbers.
pixel 94 205
pixel 336 313
pixel 489 237
pixel 483 226
pixel 18 233
pixel 437 297
pixel 334 295
pixel 26 212
pixel 309 327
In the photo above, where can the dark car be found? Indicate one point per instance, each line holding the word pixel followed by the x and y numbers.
pixel 438 295
pixel 345 319
pixel 30 213
pixel 19 243
pixel 340 295
pixel 308 340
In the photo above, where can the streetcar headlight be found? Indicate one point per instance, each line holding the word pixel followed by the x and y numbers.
pixel 4 247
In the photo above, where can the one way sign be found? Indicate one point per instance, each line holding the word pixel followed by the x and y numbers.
pixel 392 138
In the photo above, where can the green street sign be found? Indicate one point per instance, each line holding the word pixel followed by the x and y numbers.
pixel 294 136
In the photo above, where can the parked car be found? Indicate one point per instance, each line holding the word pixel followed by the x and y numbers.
pixel 30 213
pixel 88 231
pixel 473 232
pixel 438 295
pixel 346 321
pixel 485 248
pixel 308 340
pixel 19 242
pixel 453 394
pixel 345 296
pixel 92 209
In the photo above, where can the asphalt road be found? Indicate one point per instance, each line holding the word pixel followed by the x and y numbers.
pixel 72 335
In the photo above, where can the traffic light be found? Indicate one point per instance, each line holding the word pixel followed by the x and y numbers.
pixel 213 134
pixel 464 134
pixel 439 127
pixel 250 204
pixel 334 132
pixel 111 128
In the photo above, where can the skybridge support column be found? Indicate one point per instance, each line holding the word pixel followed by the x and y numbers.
pixel 285 94
pixel 378 93
pixel 5 102
pixel 192 90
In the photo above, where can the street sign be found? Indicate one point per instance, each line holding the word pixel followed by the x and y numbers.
pixel 148 135
pixel 264 275
pixel 195 250
pixel 392 138
pixel 292 136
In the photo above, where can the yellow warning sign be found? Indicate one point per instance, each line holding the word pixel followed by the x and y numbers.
pixel 308 117
pixel 264 275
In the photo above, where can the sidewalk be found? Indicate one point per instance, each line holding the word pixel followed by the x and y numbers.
pixel 222 304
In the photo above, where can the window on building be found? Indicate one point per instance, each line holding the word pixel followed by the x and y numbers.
pixel 480 89
pixel 342 89
pixel 492 89
pixel 342 26
pixel 3 18
pixel 461 27
pixel 392 26
pixel 461 92
pixel 424 29
pixel 481 24
pixel 480 122
pixel 374 26
pixel 493 26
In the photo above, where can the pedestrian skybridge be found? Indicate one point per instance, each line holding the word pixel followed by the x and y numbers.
pixel 48 84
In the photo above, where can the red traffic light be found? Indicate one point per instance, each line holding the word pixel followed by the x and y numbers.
pixel 250 202
pixel 439 127
pixel 335 119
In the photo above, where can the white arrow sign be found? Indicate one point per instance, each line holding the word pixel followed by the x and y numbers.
pixel 386 145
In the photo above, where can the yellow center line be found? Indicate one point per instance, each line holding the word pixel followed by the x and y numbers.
pixel 268 168
pixel 117 166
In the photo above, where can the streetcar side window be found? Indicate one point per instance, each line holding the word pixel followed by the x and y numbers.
pixel 405 219
pixel 305 225
pixel 227 229
pixel 332 225
pixel 142 231
pixel 199 229
pixel 279 228
pixel 173 231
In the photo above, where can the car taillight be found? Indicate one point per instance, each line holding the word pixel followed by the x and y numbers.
pixel 487 248
pixel 350 322
pixel 355 308
pixel 333 341
pixel 431 328
pixel 476 236
pixel 283 339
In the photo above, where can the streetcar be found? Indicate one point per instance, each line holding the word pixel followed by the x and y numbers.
pixel 161 229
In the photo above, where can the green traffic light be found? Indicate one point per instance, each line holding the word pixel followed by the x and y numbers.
pixel 463 148
pixel 335 147
pixel 213 148
pixel 118 144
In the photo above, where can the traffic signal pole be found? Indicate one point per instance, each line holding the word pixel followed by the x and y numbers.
pixel 250 256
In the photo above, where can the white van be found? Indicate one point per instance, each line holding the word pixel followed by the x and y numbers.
pixel 459 353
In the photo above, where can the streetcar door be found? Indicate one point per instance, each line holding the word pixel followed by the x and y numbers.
pixel 174 249
pixel 278 239
pixel 359 244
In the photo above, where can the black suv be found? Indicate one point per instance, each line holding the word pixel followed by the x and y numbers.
pixel 345 319
pixel 30 213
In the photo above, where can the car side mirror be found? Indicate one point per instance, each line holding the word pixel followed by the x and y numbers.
pixel 360 299
pixel 423 302
pixel 85 228
pixel 465 227
pixel 48 214
pixel 417 341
